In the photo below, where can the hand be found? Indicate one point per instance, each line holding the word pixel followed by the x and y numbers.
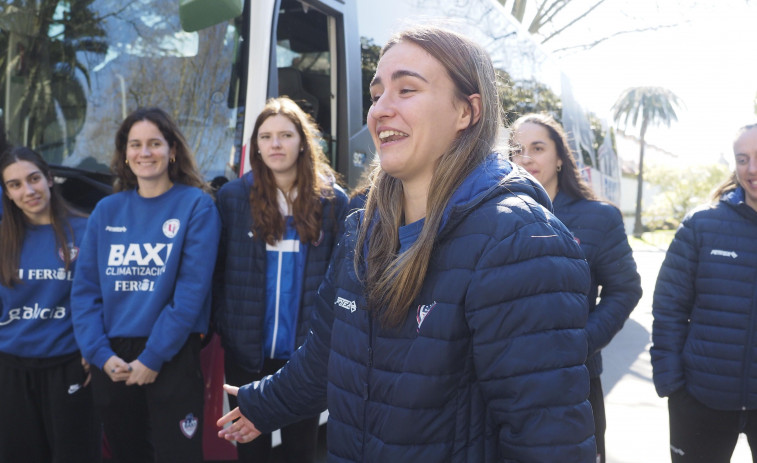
pixel 85 367
pixel 117 369
pixel 140 374
pixel 241 430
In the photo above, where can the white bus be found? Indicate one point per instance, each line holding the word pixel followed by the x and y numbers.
pixel 71 70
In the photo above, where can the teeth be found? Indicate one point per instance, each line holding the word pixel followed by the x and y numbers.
pixel 390 133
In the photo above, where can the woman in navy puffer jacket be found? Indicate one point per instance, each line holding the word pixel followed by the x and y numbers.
pixel 449 327
pixel 540 145
pixel 704 353
pixel 281 222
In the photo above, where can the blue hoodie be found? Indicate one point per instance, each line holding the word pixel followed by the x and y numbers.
pixel 35 320
pixel 145 270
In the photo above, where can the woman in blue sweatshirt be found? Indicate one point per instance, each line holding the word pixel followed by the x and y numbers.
pixel 281 222
pixel 449 327
pixel 141 295
pixel 540 145
pixel 46 412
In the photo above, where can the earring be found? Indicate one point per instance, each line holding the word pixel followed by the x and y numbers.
pixel 126 162
pixel 559 168
pixel 173 160
pixel 302 149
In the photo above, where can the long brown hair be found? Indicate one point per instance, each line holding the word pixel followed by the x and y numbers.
pixel 313 182
pixel 569 180
pixel 732 182
pixel 183 170
pixel 14 222
pixel 392 280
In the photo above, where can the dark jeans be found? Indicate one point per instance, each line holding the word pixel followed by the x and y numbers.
pixel 597 401
pixel 157 422
pixel 699 433
pixel 46 414
pixel 298 440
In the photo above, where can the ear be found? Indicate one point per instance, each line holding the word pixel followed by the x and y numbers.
pixel 471 112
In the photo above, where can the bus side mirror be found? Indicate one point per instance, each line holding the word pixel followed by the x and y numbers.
pixel 199 14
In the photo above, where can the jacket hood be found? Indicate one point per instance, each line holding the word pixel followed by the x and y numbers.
pixel 491 177
pixel 734 197
pixel 737 200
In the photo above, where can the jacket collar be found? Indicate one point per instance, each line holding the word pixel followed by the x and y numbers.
pixel 492 177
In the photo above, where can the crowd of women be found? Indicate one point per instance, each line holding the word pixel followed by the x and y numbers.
pixel 458 315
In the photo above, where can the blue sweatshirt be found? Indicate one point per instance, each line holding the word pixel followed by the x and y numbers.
pixel 145 270
pixel 35 314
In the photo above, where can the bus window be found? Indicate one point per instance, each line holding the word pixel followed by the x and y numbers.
pixel 72 70
pixel 305 64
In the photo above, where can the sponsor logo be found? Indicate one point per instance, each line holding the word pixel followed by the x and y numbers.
pixel 346 304
pixel 139 254
pixel 188 426
pixel 115 229
pixel 73 251
pixel 73 388
pixel 131 285
pixel 45 274
pixel 422 313
pixel 720 252
pixel 171 227
pixel 35 313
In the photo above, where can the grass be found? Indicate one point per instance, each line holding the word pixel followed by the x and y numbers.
pixel 659 239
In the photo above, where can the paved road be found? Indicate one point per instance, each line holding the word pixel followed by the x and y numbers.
pixel 637 419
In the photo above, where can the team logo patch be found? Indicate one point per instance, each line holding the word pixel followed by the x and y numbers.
pixel 188 426
pixel 171 227
pixel 422 313
pixel 73 251
pixel 577 239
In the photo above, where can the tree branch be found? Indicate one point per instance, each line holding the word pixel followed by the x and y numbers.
pixel 578 18
pixel 543 16
pixel 593 44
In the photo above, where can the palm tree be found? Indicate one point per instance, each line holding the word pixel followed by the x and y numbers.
pixel 655 105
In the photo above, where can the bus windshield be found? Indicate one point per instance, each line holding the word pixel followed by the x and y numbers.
pixel 71 70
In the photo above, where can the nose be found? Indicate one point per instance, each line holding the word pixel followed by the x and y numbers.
pixel 752 164
pixel 276 141
pixel 382 107
pixel 28 189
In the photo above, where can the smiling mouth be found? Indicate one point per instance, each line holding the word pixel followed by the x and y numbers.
pixel 391 135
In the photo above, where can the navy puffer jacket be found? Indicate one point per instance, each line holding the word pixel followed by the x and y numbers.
pixel 239 292
pixel 489 364
pixel 598 228
pixel 705 307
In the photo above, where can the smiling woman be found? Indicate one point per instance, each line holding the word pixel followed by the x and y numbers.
pixel 455 282
pixel 703 302
pixel 41 367
pixel 142 299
